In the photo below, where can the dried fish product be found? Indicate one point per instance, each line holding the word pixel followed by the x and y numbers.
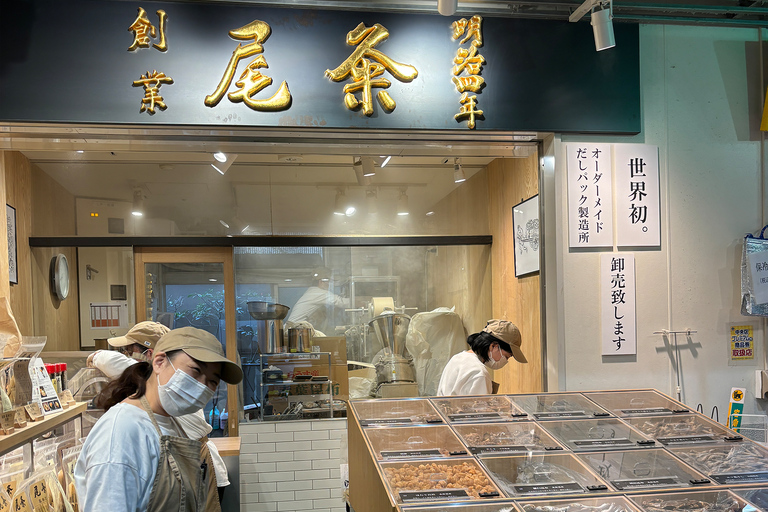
pixel 679 429
pixel 739 463
pixel 597 434
pixel 503 437
pixel 724 503
pixel 372 413
pixel 576 507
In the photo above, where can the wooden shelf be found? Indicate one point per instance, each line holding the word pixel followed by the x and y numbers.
pixel 227 446
pixel 35 429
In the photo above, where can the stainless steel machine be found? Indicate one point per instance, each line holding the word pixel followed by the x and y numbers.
pixel 395 373
pixel 269 328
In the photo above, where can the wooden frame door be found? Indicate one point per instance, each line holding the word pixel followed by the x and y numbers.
pixel 223 255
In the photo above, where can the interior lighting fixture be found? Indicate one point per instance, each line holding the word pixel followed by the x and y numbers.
pixel 602 27
pixel 362 178
pixel 137 209
pixel 458 172
pixel 385 161
pixel 223 223
pixel 213 280
pixel 368 167
pixel 447 7
pixel 222 162
pixel 430 213
pixel 80 151
pixel 402 204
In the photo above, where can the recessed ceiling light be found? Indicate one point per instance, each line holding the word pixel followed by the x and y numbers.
pixel 212 279
pixel 288 280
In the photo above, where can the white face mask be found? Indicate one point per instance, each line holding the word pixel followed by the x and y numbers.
pixel 141 356
pixel 495 364
pixel 183 394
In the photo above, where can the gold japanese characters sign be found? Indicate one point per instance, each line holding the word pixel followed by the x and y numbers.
pixel 468 64
pixel 251 81
pixel 143 33
pixel 365 65
pixel 151 83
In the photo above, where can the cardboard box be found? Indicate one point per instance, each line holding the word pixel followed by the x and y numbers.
pixel 335 345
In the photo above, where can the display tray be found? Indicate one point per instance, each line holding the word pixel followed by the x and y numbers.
pixel 703 501
pixel 681 429
pixel 437 481
pixel 607 504
pixel 758 496
pixel 559 406
pixel 478 409
pixel 597 434
pixel 542 475
pixel 637 403
pixel 633 470
pixel 421 442
pixel 500 506
pixel 406 411
pixel 504 438
pixel 741 462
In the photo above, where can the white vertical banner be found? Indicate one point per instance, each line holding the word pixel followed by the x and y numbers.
pixel 590 208
pixel 638 211
pixel 617 303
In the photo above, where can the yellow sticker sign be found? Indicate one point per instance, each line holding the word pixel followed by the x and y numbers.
pixel 742 343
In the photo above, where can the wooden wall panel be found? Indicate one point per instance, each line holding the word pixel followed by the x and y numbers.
pixel 460 276
pixel 18 193
pixel 511 181
pixel 56 319
pixel 5 285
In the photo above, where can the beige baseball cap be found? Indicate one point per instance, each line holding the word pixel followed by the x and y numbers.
pixel 145 334
pixel 202 346
pixel 508 332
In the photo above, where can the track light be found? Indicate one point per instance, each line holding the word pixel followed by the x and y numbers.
pixel 137 209
pixel 602 27
pixel 458 172
pixel 222 162
pixel 447 7
pixel 359 165
pixel 402 203
pixel 368 167
pixel 385 160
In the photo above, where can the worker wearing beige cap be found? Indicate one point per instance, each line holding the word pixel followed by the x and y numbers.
pixel 137 457
pixel 467 373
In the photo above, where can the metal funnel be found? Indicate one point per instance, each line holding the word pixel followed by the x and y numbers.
pixel 391 330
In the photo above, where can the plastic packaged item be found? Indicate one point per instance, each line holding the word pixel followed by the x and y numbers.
pixel 64 384
pixel 214 417
pixel 223 420
pixel 67 474
pixel 41 492
pixel 10 479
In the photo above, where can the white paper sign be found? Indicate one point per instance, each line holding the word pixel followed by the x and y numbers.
pixel 758 266
pixel 42 388
pixel 617 303
pixel 590 208
pixel 638 211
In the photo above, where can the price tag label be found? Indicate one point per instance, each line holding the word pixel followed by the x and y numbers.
pixel 9 487
pixel 33 411
pixel 19 419
pixel 6 421
pixel 38 495
pixel 5 502
pixel 67 398
pixel 21 503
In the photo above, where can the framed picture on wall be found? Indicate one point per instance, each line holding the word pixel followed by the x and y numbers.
pixel 525 218
pixel 13 269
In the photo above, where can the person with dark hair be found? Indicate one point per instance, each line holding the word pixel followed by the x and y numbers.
pixel 467 373
pixel 137 456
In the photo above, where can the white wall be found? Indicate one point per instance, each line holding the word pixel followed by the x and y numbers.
pixel 702 99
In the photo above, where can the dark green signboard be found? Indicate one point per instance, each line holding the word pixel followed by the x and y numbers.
pixel 83 62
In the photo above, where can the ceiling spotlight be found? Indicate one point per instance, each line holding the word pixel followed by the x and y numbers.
pixel 368 167
pixel 385 161
pixel 137 209
pixel 402 203
pixel 458 171
pixel 602 27
pixel 362 178
pixel 447 7
pixel 222 162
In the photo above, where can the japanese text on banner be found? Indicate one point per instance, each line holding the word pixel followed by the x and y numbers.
pixel 617 303
pixel 590 208
pixel 638 213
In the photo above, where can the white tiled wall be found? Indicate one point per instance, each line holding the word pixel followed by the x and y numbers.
pixel 292 466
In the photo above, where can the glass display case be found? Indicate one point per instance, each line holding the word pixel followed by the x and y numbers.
pixel 637 403
pixel 542 474
pixel 607 504
pixel 499 438
pixel 478 409
pixel 704 501
pixel 415 442
pixel 395 412
pixel 740 462
pixel 758 496
pixel 597 434
pixel 559 406
pixel 438 480
pixel 292 386
pixel 499 506
pixel 682 429
pixel 642 469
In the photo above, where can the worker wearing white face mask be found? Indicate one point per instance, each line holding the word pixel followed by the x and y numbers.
pixel 137 457
pixel 467 373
